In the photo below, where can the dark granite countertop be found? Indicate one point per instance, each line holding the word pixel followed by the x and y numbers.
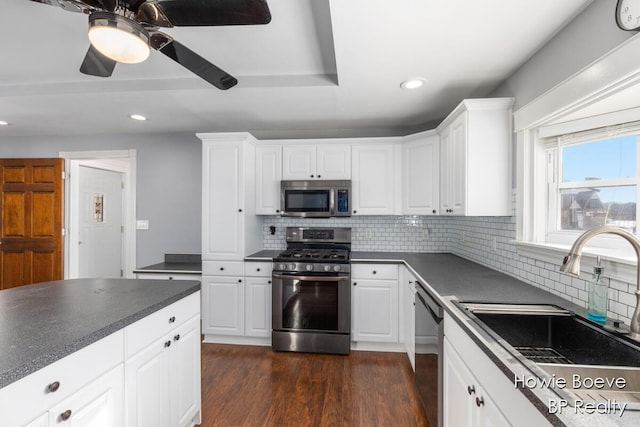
pixel 45 322
pixel 264 255
pixel 175 264
pixel 172 267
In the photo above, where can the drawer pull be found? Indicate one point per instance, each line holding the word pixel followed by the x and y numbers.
pixel 239 280
pixel 355 283
pixel 176 338
pixel 221 268
pixel 65 415
pixel 479 401
pixel 375 272
pixel 471 389
pixel 167 344
pixel 53 387
pixel 172 319
pixel 257 269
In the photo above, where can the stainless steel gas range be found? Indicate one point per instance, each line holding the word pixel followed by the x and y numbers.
pixel 312 292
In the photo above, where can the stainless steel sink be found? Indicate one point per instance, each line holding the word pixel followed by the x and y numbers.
pixel 553 341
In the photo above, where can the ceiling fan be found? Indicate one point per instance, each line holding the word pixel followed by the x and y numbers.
pixel 134 25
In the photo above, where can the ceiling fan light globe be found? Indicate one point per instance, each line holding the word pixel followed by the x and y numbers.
pixel 118 38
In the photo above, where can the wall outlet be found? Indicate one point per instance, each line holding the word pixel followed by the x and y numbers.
pixel 425 233
pixel 368 234
pixel 494 244
pixel 142 224
pixel 464 237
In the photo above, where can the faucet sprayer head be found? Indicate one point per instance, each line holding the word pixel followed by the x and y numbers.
pixel 571 264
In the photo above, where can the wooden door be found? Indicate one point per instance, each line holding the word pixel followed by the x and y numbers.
pixel 31 206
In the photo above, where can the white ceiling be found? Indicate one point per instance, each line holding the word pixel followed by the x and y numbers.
pixel 321 67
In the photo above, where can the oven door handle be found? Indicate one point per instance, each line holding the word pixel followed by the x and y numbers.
pixel 312 278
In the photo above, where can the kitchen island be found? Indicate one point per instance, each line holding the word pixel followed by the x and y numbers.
pixel 60 341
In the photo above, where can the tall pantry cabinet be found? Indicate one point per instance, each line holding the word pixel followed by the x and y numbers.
pixel 230 228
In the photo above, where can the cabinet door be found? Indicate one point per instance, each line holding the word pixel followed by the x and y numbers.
pixel 375 310
pixel 333 161
pixel 409 308
pixel 298 162
pixel 100 403
pixel 223 305
pixel 458 390
pixel 373 179
pixel 268 176
pixel 257 307
pixel 421 176
pixel 148 386
pixel 185 373
pixel 446 203
pixel 458 165
pixel 222 189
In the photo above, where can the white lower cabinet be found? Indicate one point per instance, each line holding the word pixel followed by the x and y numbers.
pixel 475 391
pixel 374 303
pixel 465 402
pixel 163 379
pixel 237 309
pixel 162 368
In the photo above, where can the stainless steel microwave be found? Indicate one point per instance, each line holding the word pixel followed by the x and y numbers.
pixel 315 199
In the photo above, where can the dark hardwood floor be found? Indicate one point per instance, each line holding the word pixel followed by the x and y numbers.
pixel 254 386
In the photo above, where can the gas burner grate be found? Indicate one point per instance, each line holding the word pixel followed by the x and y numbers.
pixel 543 355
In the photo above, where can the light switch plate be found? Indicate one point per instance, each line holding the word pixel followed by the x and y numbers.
pixel 142 224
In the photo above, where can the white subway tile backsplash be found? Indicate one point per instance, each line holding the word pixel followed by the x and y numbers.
pixel 468 237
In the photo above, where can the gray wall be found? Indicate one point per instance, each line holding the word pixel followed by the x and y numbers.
pixel 589 36
pixel 168 183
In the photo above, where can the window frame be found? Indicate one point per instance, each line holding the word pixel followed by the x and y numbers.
pixel 573 105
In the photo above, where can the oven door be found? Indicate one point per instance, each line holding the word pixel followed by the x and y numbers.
pixel 311 303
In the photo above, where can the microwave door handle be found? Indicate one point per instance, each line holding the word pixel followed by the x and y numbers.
pixel 332 203
pixel 311 278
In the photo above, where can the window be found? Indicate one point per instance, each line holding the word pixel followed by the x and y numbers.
pixel 592 181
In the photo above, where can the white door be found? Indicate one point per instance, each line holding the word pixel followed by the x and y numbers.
pixel 100 214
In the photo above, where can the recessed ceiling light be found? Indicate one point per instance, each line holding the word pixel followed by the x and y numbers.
pixel 3 123
pixel 413 83
pixel 138 117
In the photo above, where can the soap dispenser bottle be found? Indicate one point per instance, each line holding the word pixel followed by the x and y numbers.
pixel 598 295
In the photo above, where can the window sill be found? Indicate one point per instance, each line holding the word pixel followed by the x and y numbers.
pixel 617 266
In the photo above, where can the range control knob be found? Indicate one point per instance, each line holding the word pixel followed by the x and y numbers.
pixel 336 268
pixel 282 267
pixel 292 266
pixel 327 268
pixel 309 267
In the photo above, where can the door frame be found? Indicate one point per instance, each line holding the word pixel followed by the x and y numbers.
pixel 100 159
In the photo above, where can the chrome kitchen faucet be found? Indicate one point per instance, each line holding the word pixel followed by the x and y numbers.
pixel 571 265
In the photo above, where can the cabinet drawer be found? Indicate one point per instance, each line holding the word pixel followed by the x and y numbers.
pixel 168 276
pixel 223 268
pixel 141 333
pixel 374 271
pixel 34 394
pixel 258 269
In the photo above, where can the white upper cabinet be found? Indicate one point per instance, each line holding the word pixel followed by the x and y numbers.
pixel 421 174
pixel 268 176
pixel 303 160
pixel 230 228
pixel 374 181
pixel 475 152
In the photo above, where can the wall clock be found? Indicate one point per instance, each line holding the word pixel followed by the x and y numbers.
pixel 628 15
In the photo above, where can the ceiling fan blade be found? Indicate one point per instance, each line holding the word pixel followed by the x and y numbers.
pixel 96 64
pixel 192 61
pixel 72 5
pixel 187 13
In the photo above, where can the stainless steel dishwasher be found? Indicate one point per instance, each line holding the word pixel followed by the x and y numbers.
pixel 429 335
